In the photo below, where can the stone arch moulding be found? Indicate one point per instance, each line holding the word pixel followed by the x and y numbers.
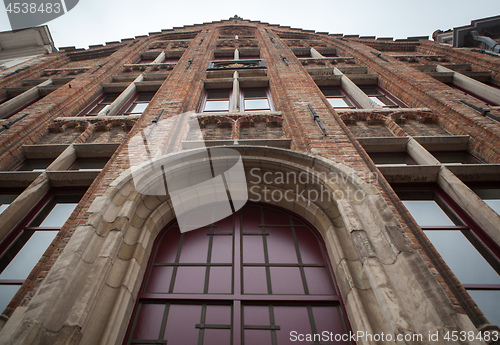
pixel 89 294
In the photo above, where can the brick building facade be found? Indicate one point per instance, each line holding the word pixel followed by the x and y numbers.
pixel 381 155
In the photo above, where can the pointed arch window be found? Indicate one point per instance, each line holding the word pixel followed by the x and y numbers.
pixel 260 276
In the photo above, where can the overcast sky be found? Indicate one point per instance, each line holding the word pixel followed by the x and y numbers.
pixel 99 21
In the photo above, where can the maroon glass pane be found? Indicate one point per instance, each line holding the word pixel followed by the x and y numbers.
pixel 273 217
pixel 328 318
pixel 181 324
pixel 253 249
pixel 281 246
pixel 167 249
pixel 251 219
pixel 224 226
pixel 222 249
pixel 149 321
pixel 258 337
pixel 254 280
pixel 318 281
pixel 310 251
pixel 286 280
pixel 257 315
pixel 220 280
pixel 159 280
pixel 291 319
pixel 216 336
pixel 218 314
pixel 194 247
pixel 190 280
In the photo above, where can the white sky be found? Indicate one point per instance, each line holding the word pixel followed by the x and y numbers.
pixel 99 21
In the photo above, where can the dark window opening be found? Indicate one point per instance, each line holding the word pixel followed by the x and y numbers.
pixel 138 104
pixel 101 104
pixel 381 97
pixel 338 98
pixel 34 164
pixel 392 158
pixel 216 100
pixel 455 157
pixel 255 99
pixel 89 163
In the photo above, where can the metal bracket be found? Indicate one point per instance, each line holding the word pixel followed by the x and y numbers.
pixel 317 119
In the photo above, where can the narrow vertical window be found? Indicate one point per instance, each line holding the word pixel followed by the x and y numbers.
pixel 255 99
pixel 216 100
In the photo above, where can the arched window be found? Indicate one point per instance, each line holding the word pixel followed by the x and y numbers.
pixel 258 277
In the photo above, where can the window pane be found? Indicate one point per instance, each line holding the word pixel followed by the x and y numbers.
pixel 138 108
pixel 332 92
pixel 377 100
pixel 490 196
pixel 462 157
pixel 94 163
pixel 494 204
pixel 29 255
pixel 256 315
pixel 194 247
pixel 286 280
pixel 109 98
pixel 489 303
pixel 222 94
pixel 292 318
pixel 216 336
pixel 216 105
pixel 144 97
pixel 35 164
pixel 427 213
pixel 464 260
pixel 329 319
pixel 391 158
pixel 318 281
pixel 254 280
pixel 281 246
pixel 218 314
pixel 222 249
pixel 338 103
pixel 7 292
pixel 220 280
pixel 159 281
pixel 149 321
pixel 3 207
pixel 258 337
pixel 370 91
pixel 253 250
pixel 255 94
pixel 190 280
pixel 256 104
pixel 181 324
pixel 57 216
